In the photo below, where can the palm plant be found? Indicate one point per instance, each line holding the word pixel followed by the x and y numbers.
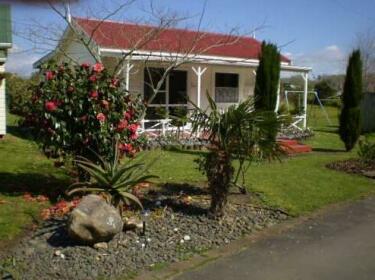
pixel 240 133
pixel 113 180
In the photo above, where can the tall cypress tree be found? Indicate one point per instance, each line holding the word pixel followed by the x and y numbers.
pixel 267 78
pixel 350 117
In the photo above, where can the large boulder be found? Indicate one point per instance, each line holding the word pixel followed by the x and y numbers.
pixel 94 220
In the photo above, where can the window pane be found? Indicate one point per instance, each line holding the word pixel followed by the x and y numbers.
pixel 156 113
pixel 152 76
pixel 177 87
pixel 226 80
pixel 226 88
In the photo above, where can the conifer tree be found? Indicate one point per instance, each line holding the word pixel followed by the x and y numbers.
pixel 267 78
pixel 350 117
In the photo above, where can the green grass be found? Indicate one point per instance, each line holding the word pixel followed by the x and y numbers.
pixel 299 185
pixel 22 169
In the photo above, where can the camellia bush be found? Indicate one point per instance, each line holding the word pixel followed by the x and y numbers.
pixel 80 110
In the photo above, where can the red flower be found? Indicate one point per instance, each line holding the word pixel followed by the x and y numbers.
pixel 127 148
pixel 114 82
pixel 105 104
pixel 94 94
pixel 133 128
pixel 34 98
pixel 128 114
pixel 121 125
pixel 70 89
pixel 49 75
pixel 85 65
pixel 134 136
pixel 50 106
pixel 50 131
pixel 98 67
pixel 101 117
pixel 84 118
pixel 93 78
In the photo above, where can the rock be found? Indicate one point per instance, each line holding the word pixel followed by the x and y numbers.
pixel 101 245
pixel 133 223
pixel 369 174
pixel 94 221
pixel 187 238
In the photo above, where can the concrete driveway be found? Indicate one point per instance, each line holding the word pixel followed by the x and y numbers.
pixel 339 244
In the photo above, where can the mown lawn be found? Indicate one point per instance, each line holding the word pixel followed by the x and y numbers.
pixel 299 185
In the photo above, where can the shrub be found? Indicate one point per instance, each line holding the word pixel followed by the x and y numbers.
pixel 79 109
pixel 350 117
pixel 115 182
pixel 267 78
pixel 19 91
pixel 366 150
pixel 324 89
pixel 239 133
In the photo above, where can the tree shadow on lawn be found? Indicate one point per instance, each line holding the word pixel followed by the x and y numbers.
pixel 186 151
pixel 20 132
pixel 329 150
pixel 333 130
pixel 17 184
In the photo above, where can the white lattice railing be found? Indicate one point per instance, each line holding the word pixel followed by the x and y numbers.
pixel 161 126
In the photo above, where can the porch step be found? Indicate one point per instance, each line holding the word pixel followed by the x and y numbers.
pixel 292 147
pixel 287 141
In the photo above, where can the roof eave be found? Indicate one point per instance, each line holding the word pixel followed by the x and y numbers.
pixel 203 59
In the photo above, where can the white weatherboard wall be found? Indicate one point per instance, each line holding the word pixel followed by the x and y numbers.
pixel 2 104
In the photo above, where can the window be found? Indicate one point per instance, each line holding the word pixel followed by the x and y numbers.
pixel 151 78
pixel 172 96
pixel 226 88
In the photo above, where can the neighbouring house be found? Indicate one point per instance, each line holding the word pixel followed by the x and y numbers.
pixel 222 65
pixel 5 44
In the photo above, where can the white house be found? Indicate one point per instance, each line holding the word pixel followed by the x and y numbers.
pixel 220 64
pixel 5 44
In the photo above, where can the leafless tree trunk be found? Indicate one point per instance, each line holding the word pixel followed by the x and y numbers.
pixel 365 41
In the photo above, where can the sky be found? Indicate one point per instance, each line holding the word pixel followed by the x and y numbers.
pixel 316 33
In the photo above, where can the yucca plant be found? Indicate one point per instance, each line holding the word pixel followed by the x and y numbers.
pixel 239 133
pixel 111 179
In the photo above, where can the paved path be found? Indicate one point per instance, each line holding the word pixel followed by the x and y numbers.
pixel 339 244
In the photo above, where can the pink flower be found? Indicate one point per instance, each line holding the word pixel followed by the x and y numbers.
pixel 49 75
pixel 101 117
pixel 122 125
pixel 98 67
pixel 93 78
pixel 50 106
pixel 94 94
pixel 133 128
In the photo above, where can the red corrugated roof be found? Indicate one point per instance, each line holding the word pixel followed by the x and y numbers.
pixel 118 35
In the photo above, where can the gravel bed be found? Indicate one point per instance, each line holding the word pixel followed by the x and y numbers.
pixel 174 232
pixel 353 166
pixel 294 133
